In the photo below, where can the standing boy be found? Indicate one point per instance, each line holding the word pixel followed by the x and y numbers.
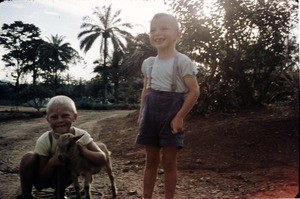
pixel 39 168
pixel 169 93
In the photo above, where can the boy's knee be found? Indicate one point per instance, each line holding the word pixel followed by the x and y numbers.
pixel 169 165
pixel 29 160
pixel 61 178
pixel 152 162
pixel 104 156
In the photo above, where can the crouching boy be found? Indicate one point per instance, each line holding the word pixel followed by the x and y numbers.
pixel 40 167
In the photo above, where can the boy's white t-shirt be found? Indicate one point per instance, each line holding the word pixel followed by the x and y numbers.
pixel 43 146
pixel 162 72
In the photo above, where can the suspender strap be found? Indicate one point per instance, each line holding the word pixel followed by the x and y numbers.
pixel 50 140
pixel 150 72
pixel 175 68
pixel 150 77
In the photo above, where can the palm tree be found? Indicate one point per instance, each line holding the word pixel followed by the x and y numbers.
pixel 108 27
pixel 55 56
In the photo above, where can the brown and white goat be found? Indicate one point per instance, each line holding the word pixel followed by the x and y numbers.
pixel 68 152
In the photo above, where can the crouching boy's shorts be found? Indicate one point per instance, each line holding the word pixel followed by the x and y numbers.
pixel 159 109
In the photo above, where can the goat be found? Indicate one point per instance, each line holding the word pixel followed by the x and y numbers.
pixel 68 152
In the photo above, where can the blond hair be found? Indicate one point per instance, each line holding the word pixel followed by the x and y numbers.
pixel 61 100
pixel 172 19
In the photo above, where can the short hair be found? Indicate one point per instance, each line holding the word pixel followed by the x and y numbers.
pixel 173 20
pixel 61 100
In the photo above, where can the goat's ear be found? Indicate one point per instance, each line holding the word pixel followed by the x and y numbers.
pixel 77 137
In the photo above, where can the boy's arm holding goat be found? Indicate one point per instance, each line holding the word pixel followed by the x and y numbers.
pixel 92 152
pixel 48 159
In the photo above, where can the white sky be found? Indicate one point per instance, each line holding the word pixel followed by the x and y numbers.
pixel 64 17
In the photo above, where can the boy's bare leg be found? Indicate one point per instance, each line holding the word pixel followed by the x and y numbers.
pixel 28 166
pixel 150 173
pixel 60 182
pixel 169 161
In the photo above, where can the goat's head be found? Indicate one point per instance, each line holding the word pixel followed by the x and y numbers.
pixel 65 146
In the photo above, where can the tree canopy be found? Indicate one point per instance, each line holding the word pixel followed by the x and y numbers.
pixel 55 56
pixel 241 47
pixel 20 40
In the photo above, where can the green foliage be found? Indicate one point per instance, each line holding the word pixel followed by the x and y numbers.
pixel 217 97
pixel 241 47
pixel 6 90
pixel 20 40
pixel 130 91
pixel 285 88
pixel 106 26
pixel 88 103
pixel 28 53
pixel 35 96
pixel 55 57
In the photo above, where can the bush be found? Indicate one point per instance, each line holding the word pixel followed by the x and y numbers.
pixel 89 103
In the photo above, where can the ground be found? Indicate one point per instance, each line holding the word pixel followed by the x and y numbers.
pixel 249 154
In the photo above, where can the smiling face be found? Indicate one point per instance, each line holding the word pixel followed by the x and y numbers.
pixel 164 32
pixel 60 118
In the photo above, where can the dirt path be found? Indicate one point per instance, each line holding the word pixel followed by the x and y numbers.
pixel 250 155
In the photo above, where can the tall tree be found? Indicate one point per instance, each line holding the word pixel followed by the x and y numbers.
pixel 241 46
pixel 31 57
pixel 20 40
pixel 55 57
pixel 116 72
pixel 108 28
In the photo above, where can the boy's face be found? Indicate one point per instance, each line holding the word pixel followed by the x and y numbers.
pixel 60 118
pixel 163 33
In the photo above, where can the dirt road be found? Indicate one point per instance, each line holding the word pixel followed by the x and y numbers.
pixel 249 155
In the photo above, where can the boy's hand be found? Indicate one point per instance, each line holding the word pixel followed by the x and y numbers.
pixel 177 125
pixel 80 148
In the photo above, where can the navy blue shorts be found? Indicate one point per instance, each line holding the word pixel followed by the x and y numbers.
pixel 159 109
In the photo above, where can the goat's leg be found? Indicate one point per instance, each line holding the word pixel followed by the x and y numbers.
pixel 88 178
pixel 108 169
pixel 76 186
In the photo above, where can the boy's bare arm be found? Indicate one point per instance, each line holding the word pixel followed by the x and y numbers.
pixel 192 96
pixel 142 99
pixel 144 91
pixel 190 100
pixel 93 153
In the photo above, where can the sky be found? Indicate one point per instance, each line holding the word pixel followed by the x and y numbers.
pixel 64 17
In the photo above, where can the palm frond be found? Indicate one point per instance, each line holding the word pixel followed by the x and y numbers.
pixel 107 27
